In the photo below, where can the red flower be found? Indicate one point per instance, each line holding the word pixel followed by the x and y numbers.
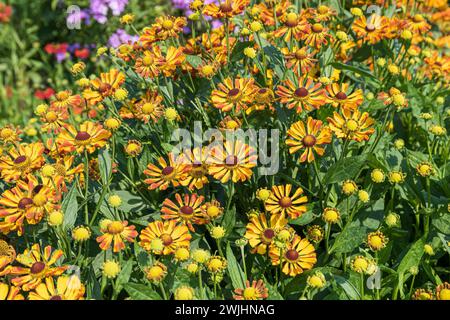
pixel 44 94
pixel 5 13
pixel 82 53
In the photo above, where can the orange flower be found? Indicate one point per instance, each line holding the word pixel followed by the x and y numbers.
pixel 174 58
pixel 233 95
pixel 187 210
pixel 169 27
pixel 299 60
pixel 28 200
pixel 9 292
pixel 370 30
pixel 166 174
pixel 7 256
pixel 65 172
pixel 104 87
pixel 260 233
pixel 342 96
pixel 310 138
pixel 318 36
pixel 197 172
pixel 304 96
pixel 65 99
pixel 37 265
pixel 256 291
pixel 418 24
pixel 234 161
pixel 282 202
pixel 148 66
pixel 167 234
pixel 299 255
pixel 54 119
pixel 21 161
pixel 293 26
pixel 352 125
pixel 226 9
pixel 268 8
pixel 149 107
pixel 116 233
pixel 89 137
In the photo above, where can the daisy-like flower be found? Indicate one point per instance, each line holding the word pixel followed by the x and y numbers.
pixel 8 292
pixel 186 210
pixel 261 233
pixel 174 57
pixel 299 255
pixel 148 66
pixel 322 13
pixel 234 160
pixel 166 173
pixel 395 97
pixel 254 291
pixel 376 240
pixel 27 201
pixel 282 202
pixel 90 137
pixel 64 172
pixel 21 160
pixel 299 60
pixel 7 255
pixel 418 24
pixel 370 30
pixel 271 10
pixel 10 134
pixel 262 100
pixel 305 96
pixel 66 288
pixel 36 266
pixel 197 171
pixel 342 96
pixel 216 264
pixel 169 27
pixel 225 9
pixel 164 237
pixel 318 36
pixel 54 119
pixel 103 87
pixel 116 233
pixel 149 107
pixel 308 138
pixel 234 95
pixel 351 125
pixel 65 99
pixel 293 26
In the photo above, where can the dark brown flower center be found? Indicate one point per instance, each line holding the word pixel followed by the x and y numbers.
pixel 37 267
pixel 231 160
pixel 82 136
pixel 300 54
pixel 309 140
pixel 104 88
pixel 301 92
pixel 285 202
pixel 167 170
pixel 20 159
pixel 233 92
pixel 341 95
pixel 57 297
pixel 24 203
pixel 166 239
pixel 291 255
pixel 226 7
pixel 370 27
pixel 269 234
pixel 187 210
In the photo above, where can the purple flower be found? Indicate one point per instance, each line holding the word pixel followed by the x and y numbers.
pixel 121 36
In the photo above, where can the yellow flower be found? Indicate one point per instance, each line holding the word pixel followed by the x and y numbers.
pixel 341 35
pixel 192 268
pixel 156 273
pixel 393 69
pixel 406 34
pixel 443 291
pixel 182 254
pixel 101 51
pixel 376 240
pixel 171 114
pixel 392 219
pixel 78 68
pixel 360 264
pixel 377 176
pixel 437 130
pixel 200 255
pixel 317 280
pixel 263 194
pixel 133 148
pixel 127 19
pixel 81 233
pixel 349 187
pixel 111 269
pixel 381 62
pixel 184 293
pixel 425 169
pixel 217 232
pixel 41 109
pixel 216 264
pixel 399 144
pixel 396 177
pixel 48 170
pixel 357 12
pixel 250 52
pixel 115 201
pixel 112 123
pixel 331 215
pixel 363 196
pixel 55 218
pixel 121 94
pixel 256 26
pixel 428 249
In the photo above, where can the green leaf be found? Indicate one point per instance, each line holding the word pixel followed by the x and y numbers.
pixel 194 61
pixel 349 289
pixel 69 207
pixel 104 165
pixel 350 238
pixel 229 220
pixel 124 275
pixel 410 259
pixel 442 223
pixel 234 270
pixel 345 169
pixel 362 72
pixel 141 292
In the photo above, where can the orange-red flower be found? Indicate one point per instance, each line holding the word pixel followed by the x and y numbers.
pixel 299 60
pixel 186 210
pixel 21 160
pixel 261 232
pixel 309 138
pixel 226 9
pixel 234 95
pixel 342 96
pixel 370 30
pixel 282 202
pixel 352 125
pixel 103 87
pixel 90 137
pixel 164 174
pixel 293 26
pixel 255 291
pixel 116 233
